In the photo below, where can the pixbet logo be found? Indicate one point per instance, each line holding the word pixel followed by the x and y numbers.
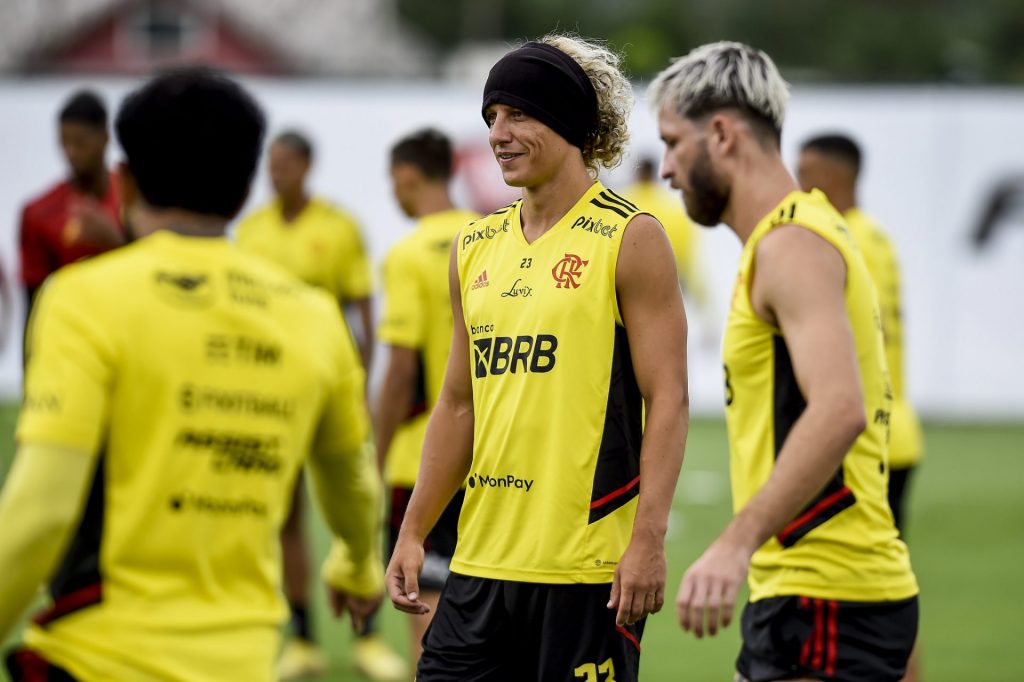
pixel 507 481
pixel 497 355
pixel 487 232
pixel 567 272
pixel 596 226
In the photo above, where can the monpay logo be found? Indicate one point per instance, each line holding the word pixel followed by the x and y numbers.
pixel 509 481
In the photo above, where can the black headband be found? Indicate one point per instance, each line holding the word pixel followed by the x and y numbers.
pixel 547 84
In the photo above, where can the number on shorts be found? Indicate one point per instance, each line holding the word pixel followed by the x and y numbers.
pixel 593 672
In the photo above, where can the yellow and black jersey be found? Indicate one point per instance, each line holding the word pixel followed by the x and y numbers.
pixel 322 246
pixel 906 443
pixel 418 316
pixel 198 376
pixel 843 545
pixel 551 495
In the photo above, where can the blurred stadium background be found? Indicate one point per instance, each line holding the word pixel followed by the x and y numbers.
pixel 933 91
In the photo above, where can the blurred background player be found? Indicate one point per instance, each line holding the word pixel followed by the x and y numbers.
pixel 575 330
pixel 649 193
pixel 832 594
pixel 159 526
pixel 832 164
pixel 79 216
pixel 416 326
pixel 320 244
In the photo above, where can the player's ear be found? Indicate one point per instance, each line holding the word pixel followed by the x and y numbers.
pixel 721 133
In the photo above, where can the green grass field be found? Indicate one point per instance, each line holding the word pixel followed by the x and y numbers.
pixel 966 538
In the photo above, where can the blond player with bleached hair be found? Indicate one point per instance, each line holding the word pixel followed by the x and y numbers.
pixel 568 331
pixel 807 394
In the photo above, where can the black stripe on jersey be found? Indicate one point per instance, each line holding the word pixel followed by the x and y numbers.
pixel 419 396
pixel 789 404
pixel 78 582
pixel 504 209
pixel 620 200
pixel 597 203
pixel 617 474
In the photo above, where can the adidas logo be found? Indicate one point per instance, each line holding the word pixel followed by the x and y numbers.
pixel 481 281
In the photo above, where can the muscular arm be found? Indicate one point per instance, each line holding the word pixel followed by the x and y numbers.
pixel 447 456
pixel 652 312
pixel 395 397
pixel 800 287
pixel 40 505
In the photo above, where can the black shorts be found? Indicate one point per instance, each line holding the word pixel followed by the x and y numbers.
pixel 899 483
pixel 439 547
pixel 25 665
pixel 503 631
pixel 790 637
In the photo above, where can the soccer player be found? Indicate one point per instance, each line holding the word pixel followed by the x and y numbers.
pixel 832 594
pixel 321 245
pixel 417 328
pixel 650 194
pixel 832 164
pixel 160 438
pixel 79 216
pixel 569 330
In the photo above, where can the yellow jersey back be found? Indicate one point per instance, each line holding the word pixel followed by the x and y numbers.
pixel 198 375
pixel 552 491
pixel 906 443
pixel 844 544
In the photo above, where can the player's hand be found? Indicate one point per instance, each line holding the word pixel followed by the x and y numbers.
pixel 91 224
pixel 358 608
pixel 403 576
pixel 707 594
pixel 638 588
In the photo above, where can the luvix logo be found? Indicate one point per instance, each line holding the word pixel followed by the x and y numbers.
pixel 497 355
pixel 567 272
pixel 508 481
pixel 481 281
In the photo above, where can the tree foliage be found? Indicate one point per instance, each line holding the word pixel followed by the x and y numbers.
pixel 817 40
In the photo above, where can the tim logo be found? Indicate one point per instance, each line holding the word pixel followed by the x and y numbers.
pixel 567 272
pixel 497 355
pixel 481 281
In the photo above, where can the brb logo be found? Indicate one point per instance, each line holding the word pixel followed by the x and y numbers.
pixel 567 272
pixel 497 355
pixel 509 481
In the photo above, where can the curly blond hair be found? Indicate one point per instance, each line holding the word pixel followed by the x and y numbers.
pixel 607 145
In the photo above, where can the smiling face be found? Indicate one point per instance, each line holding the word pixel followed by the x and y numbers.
pixel 528 152
pixel 687 164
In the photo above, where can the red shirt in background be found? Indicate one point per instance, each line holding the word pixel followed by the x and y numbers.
pixel 51 233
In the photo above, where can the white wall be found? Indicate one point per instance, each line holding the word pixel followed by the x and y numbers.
pixel 931 155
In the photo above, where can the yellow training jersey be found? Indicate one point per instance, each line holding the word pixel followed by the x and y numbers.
pixel 321 246
pixel 844 544
pixel 552 490
pixel 418 316
pixel 682 233
pixel 198 376
pixel 906 444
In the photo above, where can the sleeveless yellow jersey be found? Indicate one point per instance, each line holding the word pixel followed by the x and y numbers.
pixel 552 489
pixel 197 375
pixel 844 544
pixel 906 444
pixel 682 233
pixel 418 315
pixel 322 246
